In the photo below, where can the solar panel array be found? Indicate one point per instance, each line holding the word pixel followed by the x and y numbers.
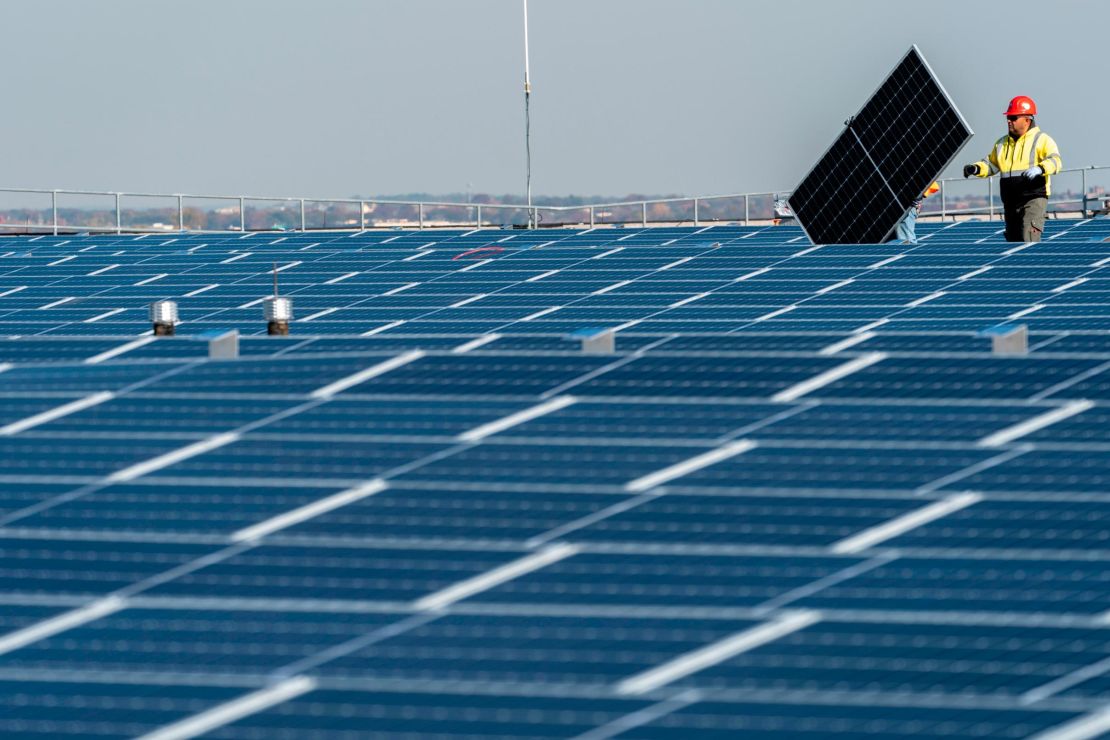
pixel 801 498
pixel 887 155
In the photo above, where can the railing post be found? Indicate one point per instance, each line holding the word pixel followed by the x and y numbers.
pixel 592 214
pixel 362 215
pixel 119 220
pixel 478 216
pixel 943 203
pixel 643 214
pixel 302 216
pixel 242 214
pixel 746 212
pixel 54 209
pixel 696 212
pixel 990 197
pixel 420 215
pixel 1083 184
pixel 180 212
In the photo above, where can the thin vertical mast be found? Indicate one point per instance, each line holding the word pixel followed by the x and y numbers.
pixel 527 120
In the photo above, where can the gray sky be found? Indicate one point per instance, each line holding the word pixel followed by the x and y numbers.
pixel 338 97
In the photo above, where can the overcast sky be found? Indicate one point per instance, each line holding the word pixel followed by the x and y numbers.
pixel 342 97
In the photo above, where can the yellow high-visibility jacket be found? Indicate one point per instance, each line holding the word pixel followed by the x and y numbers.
pixel 1010 159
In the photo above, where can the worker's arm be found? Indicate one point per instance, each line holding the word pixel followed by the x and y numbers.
pixel 1048 156
pixel 988 165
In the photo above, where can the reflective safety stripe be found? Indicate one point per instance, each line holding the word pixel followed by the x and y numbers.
pixel 1023 154
pixel 1015 157
pixel 1033 149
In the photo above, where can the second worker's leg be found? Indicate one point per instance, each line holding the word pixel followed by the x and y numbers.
pixel 909 227
pixel 904 232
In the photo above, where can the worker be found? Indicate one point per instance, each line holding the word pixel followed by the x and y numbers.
pixel 907 227
pixel 1026 158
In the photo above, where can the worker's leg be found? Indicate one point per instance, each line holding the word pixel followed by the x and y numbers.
pixel 907 227
pixel 1013 216
pixel 1032 219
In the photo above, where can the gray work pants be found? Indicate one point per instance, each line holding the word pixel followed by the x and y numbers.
pixel 1025 221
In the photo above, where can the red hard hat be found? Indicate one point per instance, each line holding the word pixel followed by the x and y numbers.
pixel 1022 105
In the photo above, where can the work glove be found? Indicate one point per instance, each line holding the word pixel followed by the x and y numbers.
pixel 970 170
pixel 1033 172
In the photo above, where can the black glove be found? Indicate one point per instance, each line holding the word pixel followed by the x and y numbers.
pixel 970 170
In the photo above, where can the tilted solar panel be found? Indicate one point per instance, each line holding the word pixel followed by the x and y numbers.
pixel 898 143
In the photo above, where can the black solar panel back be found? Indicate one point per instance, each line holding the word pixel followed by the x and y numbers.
pixel 887 155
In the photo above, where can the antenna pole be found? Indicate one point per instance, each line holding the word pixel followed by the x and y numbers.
pixel 527 121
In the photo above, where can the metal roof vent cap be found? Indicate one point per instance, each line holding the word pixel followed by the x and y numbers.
pixel 163 315
pixel 278 312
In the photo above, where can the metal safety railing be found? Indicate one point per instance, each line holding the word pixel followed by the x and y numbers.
pixel 58 211
pixel 195 212
pixel 1090 200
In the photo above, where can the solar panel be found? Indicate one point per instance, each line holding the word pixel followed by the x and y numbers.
pixel 899 142
pixel 799 499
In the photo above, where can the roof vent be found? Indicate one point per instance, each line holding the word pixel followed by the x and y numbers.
pixel 163 315
pixel 278 312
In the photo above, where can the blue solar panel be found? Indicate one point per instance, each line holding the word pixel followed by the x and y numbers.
pixel 799 498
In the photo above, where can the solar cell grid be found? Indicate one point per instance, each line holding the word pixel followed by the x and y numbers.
pixel 179 509
pixel 912 658
pixel 431 514
pixel 898 143
pixel 1030 525
pixel 583 650
pixel 340 712
pixel 663 581
pixel 62 708
pixel 187 641
pixel 776 521
pixel 1014 585
pixel 371 574
pixel 771 721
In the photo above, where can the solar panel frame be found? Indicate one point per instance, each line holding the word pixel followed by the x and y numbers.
pixel 903 196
